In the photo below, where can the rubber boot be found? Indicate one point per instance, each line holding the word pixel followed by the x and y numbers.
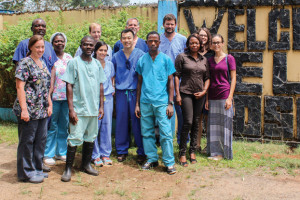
pixel 87 151
pixel 66 177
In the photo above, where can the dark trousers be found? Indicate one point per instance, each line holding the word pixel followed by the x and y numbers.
pixel 191 110
pixel 31 147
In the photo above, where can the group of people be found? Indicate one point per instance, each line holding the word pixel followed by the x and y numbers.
pixel 64 102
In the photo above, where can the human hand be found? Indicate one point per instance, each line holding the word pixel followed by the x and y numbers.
pixel 25 115
pixel 73 117
pixel 170 111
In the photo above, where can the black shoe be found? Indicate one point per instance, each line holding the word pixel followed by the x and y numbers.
pixel 46 168
pixel 66 177
pixel 149 165
pixel 141 159
pixel 171 170
pixel 121 157
pixel 87 151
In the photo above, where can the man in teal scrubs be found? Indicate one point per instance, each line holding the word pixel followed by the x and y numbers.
pixel 85 77
pixel 155 92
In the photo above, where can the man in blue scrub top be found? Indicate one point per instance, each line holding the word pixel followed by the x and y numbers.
pixel 173 44
pixel 126 81
pixel 155 92
pixel 38 27
pixel 134 25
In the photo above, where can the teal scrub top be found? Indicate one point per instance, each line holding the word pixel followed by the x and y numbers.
pixel 155 78
pixel 85 78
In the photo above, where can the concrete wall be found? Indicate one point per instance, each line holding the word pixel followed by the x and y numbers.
pixel 265 40
pixel 80 16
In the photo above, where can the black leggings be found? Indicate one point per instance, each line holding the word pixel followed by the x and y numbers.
pixel 191 111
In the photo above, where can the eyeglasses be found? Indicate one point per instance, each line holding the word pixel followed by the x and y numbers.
pixel 217 43
pixel 202 35
pixel 127 64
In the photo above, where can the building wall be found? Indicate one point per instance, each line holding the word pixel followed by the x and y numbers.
pixel 80 16
pixel 265 41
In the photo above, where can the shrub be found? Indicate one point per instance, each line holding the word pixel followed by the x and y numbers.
pixel 13 34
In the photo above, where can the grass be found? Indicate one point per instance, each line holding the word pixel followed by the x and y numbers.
pixel 8 132
pixel 271 156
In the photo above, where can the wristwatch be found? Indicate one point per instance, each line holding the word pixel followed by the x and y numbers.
pixel 171 102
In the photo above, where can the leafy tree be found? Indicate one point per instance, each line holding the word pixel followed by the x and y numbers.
pixel 42 5
pixel 13 34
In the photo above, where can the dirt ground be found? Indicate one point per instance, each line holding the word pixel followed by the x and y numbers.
pixel 127 181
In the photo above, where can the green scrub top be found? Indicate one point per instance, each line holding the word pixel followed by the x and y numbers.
pixel 85 78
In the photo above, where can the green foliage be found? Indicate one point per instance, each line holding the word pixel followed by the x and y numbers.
pixel 13 34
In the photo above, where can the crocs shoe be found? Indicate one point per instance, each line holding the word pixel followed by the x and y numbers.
pixel 98 162
pixel 49 161
pixel 106 161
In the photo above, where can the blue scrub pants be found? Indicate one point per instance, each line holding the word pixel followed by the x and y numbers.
pixel 57 134
pixel 150 113
pixel 31 147
pixel 125 107
pixel 102 144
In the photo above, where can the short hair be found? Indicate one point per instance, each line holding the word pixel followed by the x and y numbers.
pixel 218 35
pixel 194 35
pixel 207 45
pixel 127 31
pixel 153 33
pixel 169 17
pixel 32 41
pixel 92 25
pixel 97 46
pixel 86 37
pixel 132 19
pixel 33 22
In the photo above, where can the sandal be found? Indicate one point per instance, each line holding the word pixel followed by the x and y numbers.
pixel 106 161
pixel 98 162
pixel 184 164
pixel 121 157
pixel 193 160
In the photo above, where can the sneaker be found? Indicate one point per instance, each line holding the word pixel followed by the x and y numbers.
pixel 62 158
pixel 49 161
pixel 149 165
pixel 171 170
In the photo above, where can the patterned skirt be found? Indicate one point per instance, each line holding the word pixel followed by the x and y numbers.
pixel 220 129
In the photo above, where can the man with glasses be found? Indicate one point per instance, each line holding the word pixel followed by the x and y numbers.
pixel 134 25
pixel 126 82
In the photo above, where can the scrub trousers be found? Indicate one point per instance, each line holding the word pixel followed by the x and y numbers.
pixel 58 133
pixel 31 147
pixel 102 144
pixel 125 107
pixel 150 113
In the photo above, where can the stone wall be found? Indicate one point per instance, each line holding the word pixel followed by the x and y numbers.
pixel 264 38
